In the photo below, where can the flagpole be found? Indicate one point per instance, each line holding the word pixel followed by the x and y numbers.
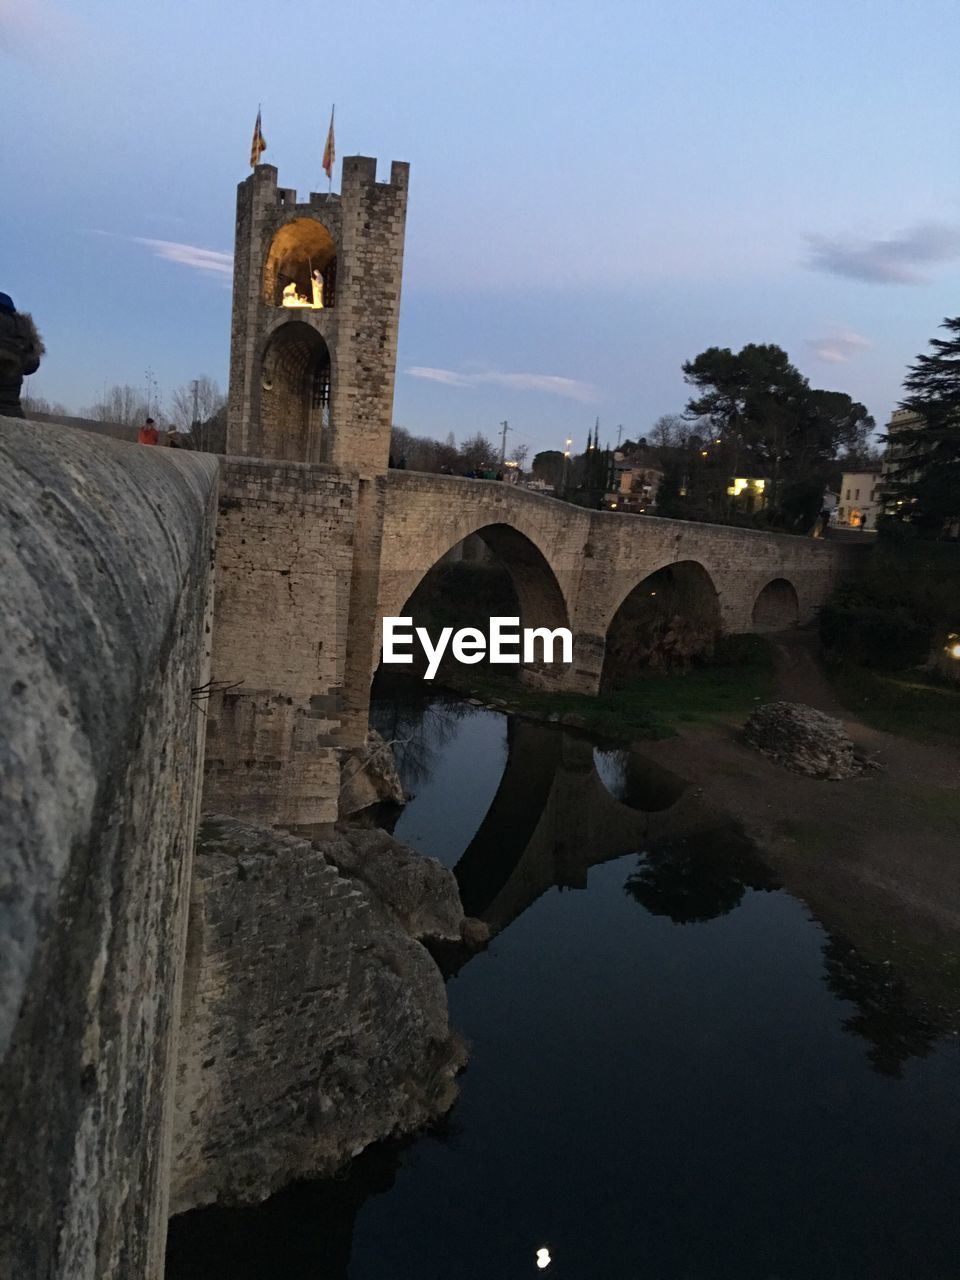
pixel 333 112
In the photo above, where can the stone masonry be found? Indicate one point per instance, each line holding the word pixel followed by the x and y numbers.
pixel 357 237
pixel 105 556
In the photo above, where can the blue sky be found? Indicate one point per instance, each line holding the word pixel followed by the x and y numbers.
pixel 598 191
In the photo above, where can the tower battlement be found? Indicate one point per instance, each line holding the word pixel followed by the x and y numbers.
pixel 316 303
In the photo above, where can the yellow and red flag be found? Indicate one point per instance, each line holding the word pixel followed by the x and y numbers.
pixel 329 150
pixel 258 145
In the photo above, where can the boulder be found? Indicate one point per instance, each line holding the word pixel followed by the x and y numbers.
pixel 420 894
pixel 368 775
pixel 313 1024
pixel 802 739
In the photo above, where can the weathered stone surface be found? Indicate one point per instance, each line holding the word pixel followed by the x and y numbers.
pixel 474 933
pixel 802 739
pixel 313 1024
pixel 368 775
pixel 105 553
pixel 420 894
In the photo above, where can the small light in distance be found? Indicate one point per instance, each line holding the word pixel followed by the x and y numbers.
pixel 543 1259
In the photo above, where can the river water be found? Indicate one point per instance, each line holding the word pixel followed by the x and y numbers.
pixel 675 1072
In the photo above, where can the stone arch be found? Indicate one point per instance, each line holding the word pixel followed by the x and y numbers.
pixel 540 598
pixel 668 619
pixel 298 248
pixel 295 394
pixel 777 606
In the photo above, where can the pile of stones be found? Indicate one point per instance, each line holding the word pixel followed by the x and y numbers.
pixel 802 739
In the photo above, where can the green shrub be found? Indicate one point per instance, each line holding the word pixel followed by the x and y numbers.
pixel 887 639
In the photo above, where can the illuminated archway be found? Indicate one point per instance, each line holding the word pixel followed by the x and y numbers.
pixel 667 621
pixel 777 607
pixel 295 394
pixel 301 264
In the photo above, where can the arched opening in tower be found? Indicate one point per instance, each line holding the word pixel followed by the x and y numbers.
pixel 667 622
pixel 776 607
pixel 295 395
pixel 301 267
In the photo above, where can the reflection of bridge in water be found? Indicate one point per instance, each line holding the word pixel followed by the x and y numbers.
pixel 553 818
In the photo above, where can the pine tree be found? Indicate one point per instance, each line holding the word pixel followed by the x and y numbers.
pixel 925 487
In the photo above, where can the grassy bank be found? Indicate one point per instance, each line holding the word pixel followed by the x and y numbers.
pixel 651 705
pixel 897 702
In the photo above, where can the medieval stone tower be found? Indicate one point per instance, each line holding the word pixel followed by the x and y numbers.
pixel 316 304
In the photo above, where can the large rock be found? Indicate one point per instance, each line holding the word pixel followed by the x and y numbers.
pixel 368 775
pixel 420 894
pixel 313 1023
pixel 802 739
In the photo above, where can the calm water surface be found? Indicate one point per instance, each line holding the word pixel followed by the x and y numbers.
pixel 675 1073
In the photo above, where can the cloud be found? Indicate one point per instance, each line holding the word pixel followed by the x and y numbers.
pixel 551 384
pixel 33 29
pixel 894 261
pixel 209 261
pixel 839 346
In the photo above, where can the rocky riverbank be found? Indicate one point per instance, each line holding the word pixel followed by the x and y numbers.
pixel 314 1019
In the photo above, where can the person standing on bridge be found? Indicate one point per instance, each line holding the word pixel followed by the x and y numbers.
pixel 20 350
pixel 148 433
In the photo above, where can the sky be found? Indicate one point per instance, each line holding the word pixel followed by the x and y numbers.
pixel 598 191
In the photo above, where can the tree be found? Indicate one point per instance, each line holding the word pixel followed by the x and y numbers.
pixel 548 467
pixel 670 429
pixel 519 455
pixel 925 485
pixel 766 421
pixel 121 404
pixel 478 454
pixel 194 405
pixel 32 405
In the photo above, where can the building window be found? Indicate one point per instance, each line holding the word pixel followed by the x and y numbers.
pixel 848 495
pixel 857 496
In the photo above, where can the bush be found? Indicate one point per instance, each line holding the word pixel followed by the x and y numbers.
pixel 743 649
pixel 882 638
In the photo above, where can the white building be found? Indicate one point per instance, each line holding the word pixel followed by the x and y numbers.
pixel 860 502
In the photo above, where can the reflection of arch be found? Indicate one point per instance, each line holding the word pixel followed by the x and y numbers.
pixel 777 607
pixel 299 247
pixel 295 394
pixel 645 785
pixel 540 598
pixel 667 619
pixel 514 814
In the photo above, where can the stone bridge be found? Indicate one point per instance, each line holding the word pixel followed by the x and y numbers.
pixel 318 539
pixel 310 559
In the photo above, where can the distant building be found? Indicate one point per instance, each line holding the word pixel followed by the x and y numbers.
pixel 750 490
pixel 636 480
pixel 894 454
pixel 860 499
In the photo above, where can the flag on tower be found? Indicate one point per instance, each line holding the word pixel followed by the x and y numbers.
pixel 329 150
pixel 258 145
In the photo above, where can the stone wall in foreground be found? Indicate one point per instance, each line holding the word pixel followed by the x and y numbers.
pixel 105 559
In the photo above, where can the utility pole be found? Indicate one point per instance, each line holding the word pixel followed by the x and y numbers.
pixel 619 433
pixel 195 424
pixel 503 441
